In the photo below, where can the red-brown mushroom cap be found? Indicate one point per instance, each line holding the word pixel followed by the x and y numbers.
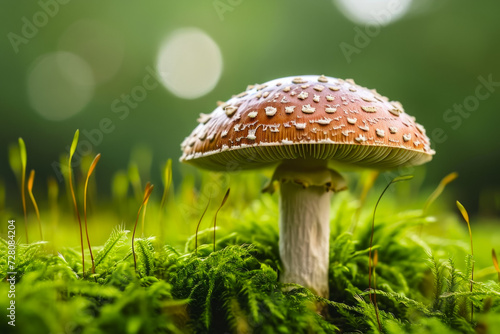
pixel 309 117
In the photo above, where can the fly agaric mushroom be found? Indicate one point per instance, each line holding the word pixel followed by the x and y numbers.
pixel 299 124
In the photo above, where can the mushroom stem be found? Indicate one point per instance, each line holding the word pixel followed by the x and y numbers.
pixel 305 236
pixel 306 190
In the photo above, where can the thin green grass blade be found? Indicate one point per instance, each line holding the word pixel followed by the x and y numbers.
pixel 147 192
pixel 465 214
pixel 74 143
pixel 24 159
pixel 216 212
pixel 375 262
pixel 167 181
pixel 368 183
pixel 396 179
pixel 198 227
pixel 22 151
pixel 31 180
pixel 495 262
pixel 439 190
pixel 89 173
pixel 145 206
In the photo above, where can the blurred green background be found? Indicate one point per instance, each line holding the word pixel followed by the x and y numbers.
pixel 135 75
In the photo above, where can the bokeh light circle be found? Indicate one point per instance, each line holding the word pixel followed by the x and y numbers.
pixel 373 12
pixel 189 63
pixel 60 85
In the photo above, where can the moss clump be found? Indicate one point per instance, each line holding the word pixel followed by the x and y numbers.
pixel 421 280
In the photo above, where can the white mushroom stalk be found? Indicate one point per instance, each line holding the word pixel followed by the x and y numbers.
pixel 304 242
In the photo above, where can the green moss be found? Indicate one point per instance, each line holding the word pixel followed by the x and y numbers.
pixel 422 274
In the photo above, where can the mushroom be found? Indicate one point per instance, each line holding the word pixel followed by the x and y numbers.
pixel 299 124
